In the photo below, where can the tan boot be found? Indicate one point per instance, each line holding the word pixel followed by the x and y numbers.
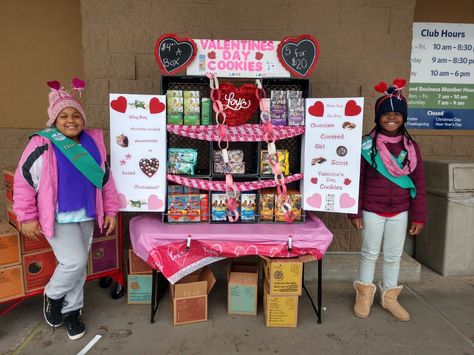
pixel 364 298
pixel 388 300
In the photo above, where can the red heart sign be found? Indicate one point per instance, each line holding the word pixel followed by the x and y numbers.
pixel 347 181
pixel 120 104
pixel 211 55
pixel 314 180
pixel 317 109
pixel 240 104
pixel 258 55
pixel 156 106
pixel 352 109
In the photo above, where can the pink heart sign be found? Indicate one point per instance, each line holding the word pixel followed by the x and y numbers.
pixel 346 201
pixel 314 200
pixel 154 202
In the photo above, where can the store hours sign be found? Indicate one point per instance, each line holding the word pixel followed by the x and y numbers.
pixel 441 90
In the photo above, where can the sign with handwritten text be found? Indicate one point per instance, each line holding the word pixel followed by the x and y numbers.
pixel 138 150
pixel 237 59
pixel 331 159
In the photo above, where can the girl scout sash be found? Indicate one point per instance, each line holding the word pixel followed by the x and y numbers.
pixel 76 154
pixel 404 181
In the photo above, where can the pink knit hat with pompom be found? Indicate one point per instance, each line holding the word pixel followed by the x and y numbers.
pixel 60 99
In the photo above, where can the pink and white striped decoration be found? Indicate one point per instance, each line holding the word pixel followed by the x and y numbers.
pixel 221 186
pixel 242 133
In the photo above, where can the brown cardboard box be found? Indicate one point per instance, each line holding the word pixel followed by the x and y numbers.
pixel 139 288
pixel 11 283
pixel 97 233
pixel 9 245
pixel 242 288
pixel 38 269
pixel 8 175
pixel 189 297
pixel 284 275
pixel 280 311
pixel 136 265
pixel 12 216
pixel 31 245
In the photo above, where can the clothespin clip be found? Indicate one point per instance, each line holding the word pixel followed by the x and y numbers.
pixel 290 243
pixel 188 242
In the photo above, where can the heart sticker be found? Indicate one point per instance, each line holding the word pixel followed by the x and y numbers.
pixel 314 180
pixel 119 104
pixel 154 203
pixel 258 55
pixel 352 109
pixel 240 104
pixel 149 166
pixel 346 201
pixel 156 106
pixel 317 109
pixel 299 54
pixel 173 53
pixel 347 181
pixel 314 200
pixel 211 55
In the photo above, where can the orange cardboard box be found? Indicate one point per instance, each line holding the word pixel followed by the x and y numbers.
pixel 12 216
pixel 8 175
pixel 11 283
pixel 38 269
pixel 189 297
pixel 31 245
pixel 280 311
pixel 136 265
pixel 9 245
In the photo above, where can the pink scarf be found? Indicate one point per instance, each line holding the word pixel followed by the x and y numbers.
pixel 387 158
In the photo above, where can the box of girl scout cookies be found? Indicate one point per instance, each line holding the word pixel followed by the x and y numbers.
pixel 11 283
pixel 136 265
pixel 9 245
pixel 189 297
pixel 37 269
pixel 280 311
pixel 242 288
pixel 284 276
pixel 8 175
pixel 103 255
pixel 139 280
pixel 98 233
pixel 12 216
pixel 33 244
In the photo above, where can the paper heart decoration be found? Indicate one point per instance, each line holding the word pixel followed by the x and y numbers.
pixel 347 181
pixel 258 55
pixel 149 166
pixel 211 55
pixel 317 109
pixel 400 83
pixel 315 200
pixel 122 200
pixel 54 84
pixel 352 109
pixel 299 54
pixel 119 104
pixel 156 106
pixel 314 180
pixel 154 203
pixel 173 53
pixel 346 201
pixel 250 250
pixel 78 84
pixel 381 87
pixel 240 104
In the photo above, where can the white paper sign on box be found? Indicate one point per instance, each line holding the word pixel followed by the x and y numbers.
pixel 331 159
pixel 138 150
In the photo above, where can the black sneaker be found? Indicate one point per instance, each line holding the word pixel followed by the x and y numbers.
pixel 52 311
pixel 75 328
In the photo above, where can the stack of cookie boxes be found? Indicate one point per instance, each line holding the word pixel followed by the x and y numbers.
pixel 139 280
pixel 103 255
pixel 282 287
pixel 37 258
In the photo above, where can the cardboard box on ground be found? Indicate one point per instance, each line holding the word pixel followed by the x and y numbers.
pixel 189 297
pixel 139 280
pixel 242 292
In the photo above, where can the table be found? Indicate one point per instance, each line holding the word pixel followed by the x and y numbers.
pixel 179 249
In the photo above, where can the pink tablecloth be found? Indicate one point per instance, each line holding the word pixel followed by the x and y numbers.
pixel 163 245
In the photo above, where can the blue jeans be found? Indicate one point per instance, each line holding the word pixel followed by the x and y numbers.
pixel 393 231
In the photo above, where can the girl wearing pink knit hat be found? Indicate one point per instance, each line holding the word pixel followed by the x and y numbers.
pixel 62 184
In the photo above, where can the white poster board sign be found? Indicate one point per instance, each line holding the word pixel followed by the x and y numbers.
pixel 237 59
pixel 138 150
pixel 331 159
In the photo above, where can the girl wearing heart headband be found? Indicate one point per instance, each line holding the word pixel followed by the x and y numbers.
pixel 392 191
pixel 62 184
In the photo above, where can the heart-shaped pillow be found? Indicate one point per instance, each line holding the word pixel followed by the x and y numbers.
pixel 240 104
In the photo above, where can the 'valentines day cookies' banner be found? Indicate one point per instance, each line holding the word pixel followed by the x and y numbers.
pixel 138 150
pixel 332 149
pixel 237 59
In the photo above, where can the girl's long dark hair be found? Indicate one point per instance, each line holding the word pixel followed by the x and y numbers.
pixel 376 130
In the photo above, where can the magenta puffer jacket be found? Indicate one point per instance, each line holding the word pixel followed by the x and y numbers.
pixel 36 184
pixel 379 195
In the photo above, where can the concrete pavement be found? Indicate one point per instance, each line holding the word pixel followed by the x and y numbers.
pixel 442 310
